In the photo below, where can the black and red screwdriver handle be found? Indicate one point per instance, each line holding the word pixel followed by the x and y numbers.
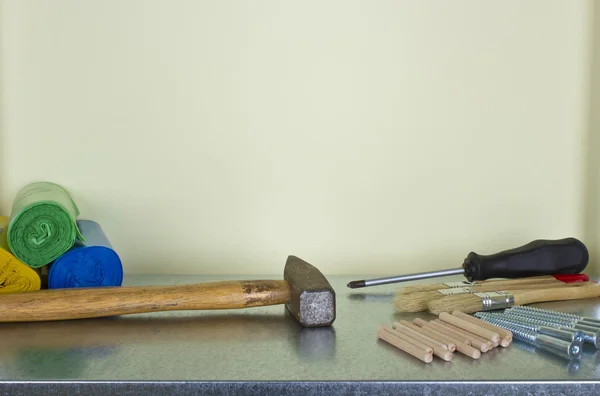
pixel 539 257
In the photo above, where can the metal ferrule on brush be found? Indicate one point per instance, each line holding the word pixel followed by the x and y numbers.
pixel 455 290
pixel 460 284
pixel 495 300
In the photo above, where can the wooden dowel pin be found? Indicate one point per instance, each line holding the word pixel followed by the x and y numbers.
pixel 403 345
pixel 450 332
pixel 432 334
pixel 417 330
pixel 440 350
pixel 507 335
pixel 475 341
pixel 444 330
pixel 408 338
pixel 463 324
pixel 460 346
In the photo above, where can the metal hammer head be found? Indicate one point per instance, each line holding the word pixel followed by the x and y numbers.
pixel 312 300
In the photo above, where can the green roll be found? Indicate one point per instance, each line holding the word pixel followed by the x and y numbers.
pixel 43 224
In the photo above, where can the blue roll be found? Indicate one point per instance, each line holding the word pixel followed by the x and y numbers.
pixel 90 264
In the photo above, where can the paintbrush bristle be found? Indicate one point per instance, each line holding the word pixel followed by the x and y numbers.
pixel 467 303
pixel 415 302
pixel 422 288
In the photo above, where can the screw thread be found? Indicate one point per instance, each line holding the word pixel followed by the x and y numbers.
pixel 514 320
pixel 533 322
pixel 519 332
pixel 546 312
pixel 539 319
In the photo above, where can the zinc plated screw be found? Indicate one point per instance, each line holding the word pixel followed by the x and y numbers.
pixel 568 321
pixel 541 327
pixel 591 334
pixel 565 321
pixel 539 317
pixel 582 325
pixel 564 349
pixel 554 313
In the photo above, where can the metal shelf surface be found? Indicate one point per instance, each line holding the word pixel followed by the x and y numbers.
pixel 264 351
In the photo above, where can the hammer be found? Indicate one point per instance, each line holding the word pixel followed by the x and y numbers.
pixel 306 293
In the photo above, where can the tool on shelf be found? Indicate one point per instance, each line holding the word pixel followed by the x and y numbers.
pixel 506 335
pixel 568 349
pixel 563 321
pixel 558 314
pixel 444 336
pixel 417 301
pixel 493 282
pixel 539 257
pixel 475 335
pixel 538 326
pixel 488 301
pixel 304 290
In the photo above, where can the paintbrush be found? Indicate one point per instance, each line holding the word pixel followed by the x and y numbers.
pixel 417 302
pixel 488 301
pixel 497 282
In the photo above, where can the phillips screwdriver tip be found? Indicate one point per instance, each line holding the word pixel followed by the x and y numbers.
pixel 356 284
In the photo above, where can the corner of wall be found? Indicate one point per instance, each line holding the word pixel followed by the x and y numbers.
pixel 2 120
pixel 591 195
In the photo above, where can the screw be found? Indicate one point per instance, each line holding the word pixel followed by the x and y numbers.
pixel 564 349
pixel 540 315
pixel 542 319
pixel 591 335
pixel 519 332
pixel 543 327
pixel 555 313
pixel 568 322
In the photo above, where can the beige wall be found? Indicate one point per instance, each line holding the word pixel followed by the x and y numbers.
pixel 367 137
pixel 591 208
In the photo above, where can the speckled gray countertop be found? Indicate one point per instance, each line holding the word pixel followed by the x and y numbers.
pixel 264 351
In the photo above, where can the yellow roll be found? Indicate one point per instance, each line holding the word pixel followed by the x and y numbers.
pixel 14 275
pixel 4 232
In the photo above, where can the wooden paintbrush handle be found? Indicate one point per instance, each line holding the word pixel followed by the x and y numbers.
pixel 528 286
pixel 523 297
pixel 514 282
pixel 531 279
pixel 77 303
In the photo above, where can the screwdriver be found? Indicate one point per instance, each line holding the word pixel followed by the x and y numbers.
pixel 539 257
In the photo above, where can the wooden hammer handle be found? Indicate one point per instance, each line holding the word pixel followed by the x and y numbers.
pixel 78 303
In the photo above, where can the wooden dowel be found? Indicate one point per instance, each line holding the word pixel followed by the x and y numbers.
pixel 467 333
pixel 444 330
pixel 417 333
pixel 408 338
pixel 435 335
pixel 403 345
pixel 469 318
pixel 460 346
pixel 506 334
pixel 417 329
pixel 440 350
pixel 476 342
pixel 473 328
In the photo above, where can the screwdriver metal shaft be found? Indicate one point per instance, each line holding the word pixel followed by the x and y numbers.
pixel 404 278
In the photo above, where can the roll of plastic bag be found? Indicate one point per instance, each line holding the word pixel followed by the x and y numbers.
pixel 14 275
pixel 93 263
pixel 42 224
